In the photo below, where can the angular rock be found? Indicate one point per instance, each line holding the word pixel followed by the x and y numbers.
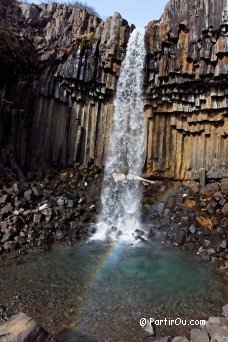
pixel 223 244
pixel 192 229
pixel 205 222
pixel 28 195
pixel 199 335
pixel 24 329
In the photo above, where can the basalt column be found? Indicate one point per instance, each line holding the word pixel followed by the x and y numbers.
pixel 186 90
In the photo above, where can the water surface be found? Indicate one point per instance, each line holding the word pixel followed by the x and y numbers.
pixel 103 290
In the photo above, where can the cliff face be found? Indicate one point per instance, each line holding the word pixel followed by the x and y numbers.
pixel 60 111
pixel 186 90
pixel 58 80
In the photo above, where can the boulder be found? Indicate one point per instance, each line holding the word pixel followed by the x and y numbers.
pixel 199 335
pixel 220 335
pixel 22 328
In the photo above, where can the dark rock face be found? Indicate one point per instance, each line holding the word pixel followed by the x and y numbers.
pixel 186 90
pixel 59 76
pixel 60 112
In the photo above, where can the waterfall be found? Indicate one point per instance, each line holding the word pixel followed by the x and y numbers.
pixel 121 196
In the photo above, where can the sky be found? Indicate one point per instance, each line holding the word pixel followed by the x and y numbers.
pixel 137 12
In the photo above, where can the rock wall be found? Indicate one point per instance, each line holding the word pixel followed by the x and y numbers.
pixel 59 71
pixel 60 111
pixel 186 90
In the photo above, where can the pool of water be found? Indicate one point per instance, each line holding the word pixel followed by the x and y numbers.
pixel 102 291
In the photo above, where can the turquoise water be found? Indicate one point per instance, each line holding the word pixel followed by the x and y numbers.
pixel 103 290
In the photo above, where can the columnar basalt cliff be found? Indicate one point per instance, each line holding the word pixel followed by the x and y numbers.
pixel 60 110
pixel 186 90
pixel 59 70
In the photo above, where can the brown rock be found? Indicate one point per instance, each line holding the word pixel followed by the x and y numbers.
pixel 190 204
pixel 204 222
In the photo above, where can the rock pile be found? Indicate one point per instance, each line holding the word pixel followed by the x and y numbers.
pixel 192 216
pixel 215 330
pixel 56 208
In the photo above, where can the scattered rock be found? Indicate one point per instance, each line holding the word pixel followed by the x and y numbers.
pixel 225 311
pixel 205 222
pixel 223 244
pixel 192 229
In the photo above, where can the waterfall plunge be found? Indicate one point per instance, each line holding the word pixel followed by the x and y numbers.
pixel 121 196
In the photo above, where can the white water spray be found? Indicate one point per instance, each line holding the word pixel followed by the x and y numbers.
pixel 121 196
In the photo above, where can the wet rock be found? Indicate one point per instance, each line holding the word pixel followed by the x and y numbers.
pixel 205 257
pixel 181 238
pixel 23 328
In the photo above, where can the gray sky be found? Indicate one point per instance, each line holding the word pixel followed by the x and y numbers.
pixel 138 12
